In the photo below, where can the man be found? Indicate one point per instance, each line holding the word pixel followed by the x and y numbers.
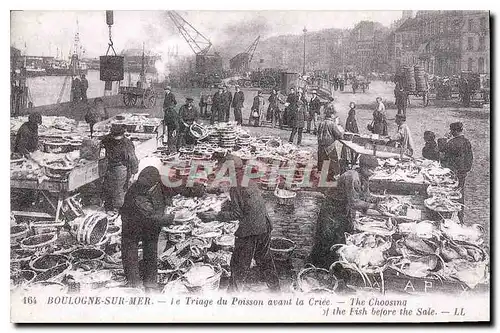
pixel 273 111
pixel 170 116
pixel 122 165
pixel 227 98
pixel 328 133
pixel 76 89
pixel 401 98
pixel 403 137
pixel 341 84
pixel 458 157
pixel 290 108
pixel 464 92
pixel 188 114
pixel 314 110
pixel 237 104
pixel 337 212
pixel 253 235
pixel 203 104
pixel 27 135
pixel 142 218
pixel 84 87
pixel 217 105
pixel 335 83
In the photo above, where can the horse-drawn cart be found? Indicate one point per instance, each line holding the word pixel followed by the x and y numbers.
pixel 132 94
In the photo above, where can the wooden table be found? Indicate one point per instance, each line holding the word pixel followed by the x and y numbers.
pixel 359 149
pixel 61 189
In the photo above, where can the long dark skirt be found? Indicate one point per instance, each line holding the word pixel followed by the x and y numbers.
pixel 332 223
pixel 115 187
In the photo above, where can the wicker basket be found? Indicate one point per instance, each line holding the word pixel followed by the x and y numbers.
pixel 210 284
pixel 18 232
pixel 87 254
pixel 51 261
pixel 38 242
pixel 285 198
pixel 326 281
pixel 282 248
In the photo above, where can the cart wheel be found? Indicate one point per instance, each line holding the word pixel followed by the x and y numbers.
pixel 248 84
pixel 127 99
pixel 149 101
pixel 133 100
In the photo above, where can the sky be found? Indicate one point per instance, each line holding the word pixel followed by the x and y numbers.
pixel 42 32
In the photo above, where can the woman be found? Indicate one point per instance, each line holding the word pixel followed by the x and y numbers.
pixel 257 109
pixel 122 165
pixel 347 156
pixel 379 120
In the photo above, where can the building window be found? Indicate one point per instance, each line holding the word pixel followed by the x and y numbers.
pixel 480 65
pixel 470 44
pixel 481 44
pixel 482 23
pixel 471 24
pixel 469 64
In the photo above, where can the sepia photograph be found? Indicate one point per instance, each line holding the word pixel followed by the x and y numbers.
pixel 181 166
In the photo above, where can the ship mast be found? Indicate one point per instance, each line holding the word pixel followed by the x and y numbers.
pixel 74 62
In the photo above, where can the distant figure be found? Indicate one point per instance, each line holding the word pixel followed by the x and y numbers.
pixel 217 111
pixel 257 109
pixel 227 98
pixel 188 114
pixel 290 107
pixel 76 89
pixel 84 86
pixel 273 111
pixel 347 156
pixel 403 138
pixel 464 92
pixel 328 133
pixel 237 104
pixel 379 119
pixel 401 98
pixel 298 121
pixel 314 110
pixel 430 150
pixel 335 83
pixel 203 104
pixel 341 84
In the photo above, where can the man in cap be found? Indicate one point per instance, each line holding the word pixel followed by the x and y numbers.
pixel 27 135
pixel 253 235
pixel 170 116
pixel 458 157
pixel 227 98
pixel 217 106
pixel 314 111
pixel 328 133
pixel 122 165
pixel 257 109
pixel 237 104
pixel 337 213
pixel 188 114
pixel 403 137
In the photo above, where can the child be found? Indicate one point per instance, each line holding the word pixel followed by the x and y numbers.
pixel 430 150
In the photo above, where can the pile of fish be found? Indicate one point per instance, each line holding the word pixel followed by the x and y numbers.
pixel 442 250
pixel 394 206
pixel 51 125
pixel 415 171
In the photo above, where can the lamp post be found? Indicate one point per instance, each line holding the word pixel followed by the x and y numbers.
pixel 304 64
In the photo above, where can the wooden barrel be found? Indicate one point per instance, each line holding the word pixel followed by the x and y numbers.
pixel 420 81
pixel 409 78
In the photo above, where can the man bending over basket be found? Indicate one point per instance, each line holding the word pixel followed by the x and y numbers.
pixel 253 235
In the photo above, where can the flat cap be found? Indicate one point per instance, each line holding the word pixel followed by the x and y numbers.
pixel 368 161
pixel 458 126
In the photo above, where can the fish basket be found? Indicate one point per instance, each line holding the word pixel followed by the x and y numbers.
pixel 225 243
pixel 284 197
pixel 312 279
pixel 178 235
pixel 210 284
pixel 41 227
pixel 57 147
pixel 55 274
pixel 149 128
pixel 87 254
pixel 131 128
pixel 38 242
pixel 89 229
pixel 22 277
pixel 21 256
pixel 18 232
pixel 47 262
pixel 282 248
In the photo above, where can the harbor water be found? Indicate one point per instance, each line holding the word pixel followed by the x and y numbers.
pixel 45 90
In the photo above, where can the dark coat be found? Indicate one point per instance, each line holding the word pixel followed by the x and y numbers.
pixel 169 101
pixel 379 123
pixel 238 100
pixel 217 102
pixel 248 206
pixel 299 116
pixel 121 152
pixel 458 155
pixel 188 115
pixel 314 106
pixel 227 98
pixel 351 125
pixel 431 151
pixel 26 138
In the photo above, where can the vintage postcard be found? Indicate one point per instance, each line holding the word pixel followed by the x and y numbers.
pixel 250 166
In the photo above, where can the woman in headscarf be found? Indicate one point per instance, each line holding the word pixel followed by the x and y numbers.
pixel 347 156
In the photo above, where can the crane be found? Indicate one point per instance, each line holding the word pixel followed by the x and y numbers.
pixel 196 41
pixel 241 61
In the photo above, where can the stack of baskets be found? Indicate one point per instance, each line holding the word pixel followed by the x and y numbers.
pixel 420 82
pixel 409 78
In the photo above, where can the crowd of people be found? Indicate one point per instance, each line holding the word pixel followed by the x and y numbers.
pixel 79 87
